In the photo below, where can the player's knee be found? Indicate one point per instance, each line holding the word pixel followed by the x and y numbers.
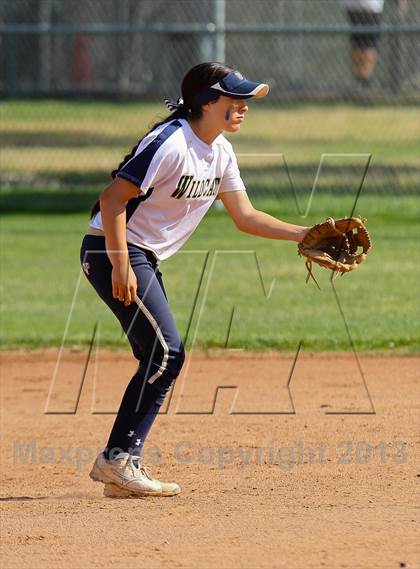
pixel 177 358
pixel 170 358
pixel 170 368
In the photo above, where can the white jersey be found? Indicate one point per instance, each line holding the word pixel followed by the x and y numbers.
pixel 376 6
pixel 178 176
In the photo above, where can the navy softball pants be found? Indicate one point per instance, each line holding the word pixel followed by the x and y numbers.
pixel 152 333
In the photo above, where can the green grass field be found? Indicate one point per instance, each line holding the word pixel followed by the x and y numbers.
pixel 56 157
pixel 379 301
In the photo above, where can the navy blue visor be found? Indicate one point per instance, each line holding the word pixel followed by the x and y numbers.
pixel 235 86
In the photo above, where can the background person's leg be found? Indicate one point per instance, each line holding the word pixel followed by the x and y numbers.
pixel 364 46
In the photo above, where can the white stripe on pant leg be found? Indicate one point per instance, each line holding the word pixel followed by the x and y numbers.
pixel 159 334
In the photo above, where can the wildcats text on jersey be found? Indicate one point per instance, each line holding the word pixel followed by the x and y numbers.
pixel 195 188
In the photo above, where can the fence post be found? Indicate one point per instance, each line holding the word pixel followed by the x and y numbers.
pixel 219 11
pixel 124 42
pixel 45 12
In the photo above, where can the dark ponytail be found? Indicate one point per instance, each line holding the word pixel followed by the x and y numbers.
pixel 195 81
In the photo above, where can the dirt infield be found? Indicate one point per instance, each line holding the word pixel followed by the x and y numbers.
pixel 322 474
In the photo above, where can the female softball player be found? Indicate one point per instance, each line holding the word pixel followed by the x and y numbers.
pixel 159 194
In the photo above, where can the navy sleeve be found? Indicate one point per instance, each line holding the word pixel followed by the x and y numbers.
pixel 136 170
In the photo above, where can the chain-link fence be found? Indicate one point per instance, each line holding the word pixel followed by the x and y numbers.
pixel 136 51
pixel 142 47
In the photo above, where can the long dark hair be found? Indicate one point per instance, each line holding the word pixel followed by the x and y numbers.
pixel 197 80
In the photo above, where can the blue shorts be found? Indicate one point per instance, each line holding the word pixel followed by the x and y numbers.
pixel 364 18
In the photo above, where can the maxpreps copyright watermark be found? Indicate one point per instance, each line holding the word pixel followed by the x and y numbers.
pixel 186 452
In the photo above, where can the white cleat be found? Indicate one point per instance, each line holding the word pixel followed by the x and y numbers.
pixel 124 477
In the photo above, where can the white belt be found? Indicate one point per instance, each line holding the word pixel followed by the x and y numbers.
pixel 94 231
pixel 101 233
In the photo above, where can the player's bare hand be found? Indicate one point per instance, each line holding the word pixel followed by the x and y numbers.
pixel 124 283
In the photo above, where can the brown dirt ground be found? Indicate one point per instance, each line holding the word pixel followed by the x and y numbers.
pixel 252 496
